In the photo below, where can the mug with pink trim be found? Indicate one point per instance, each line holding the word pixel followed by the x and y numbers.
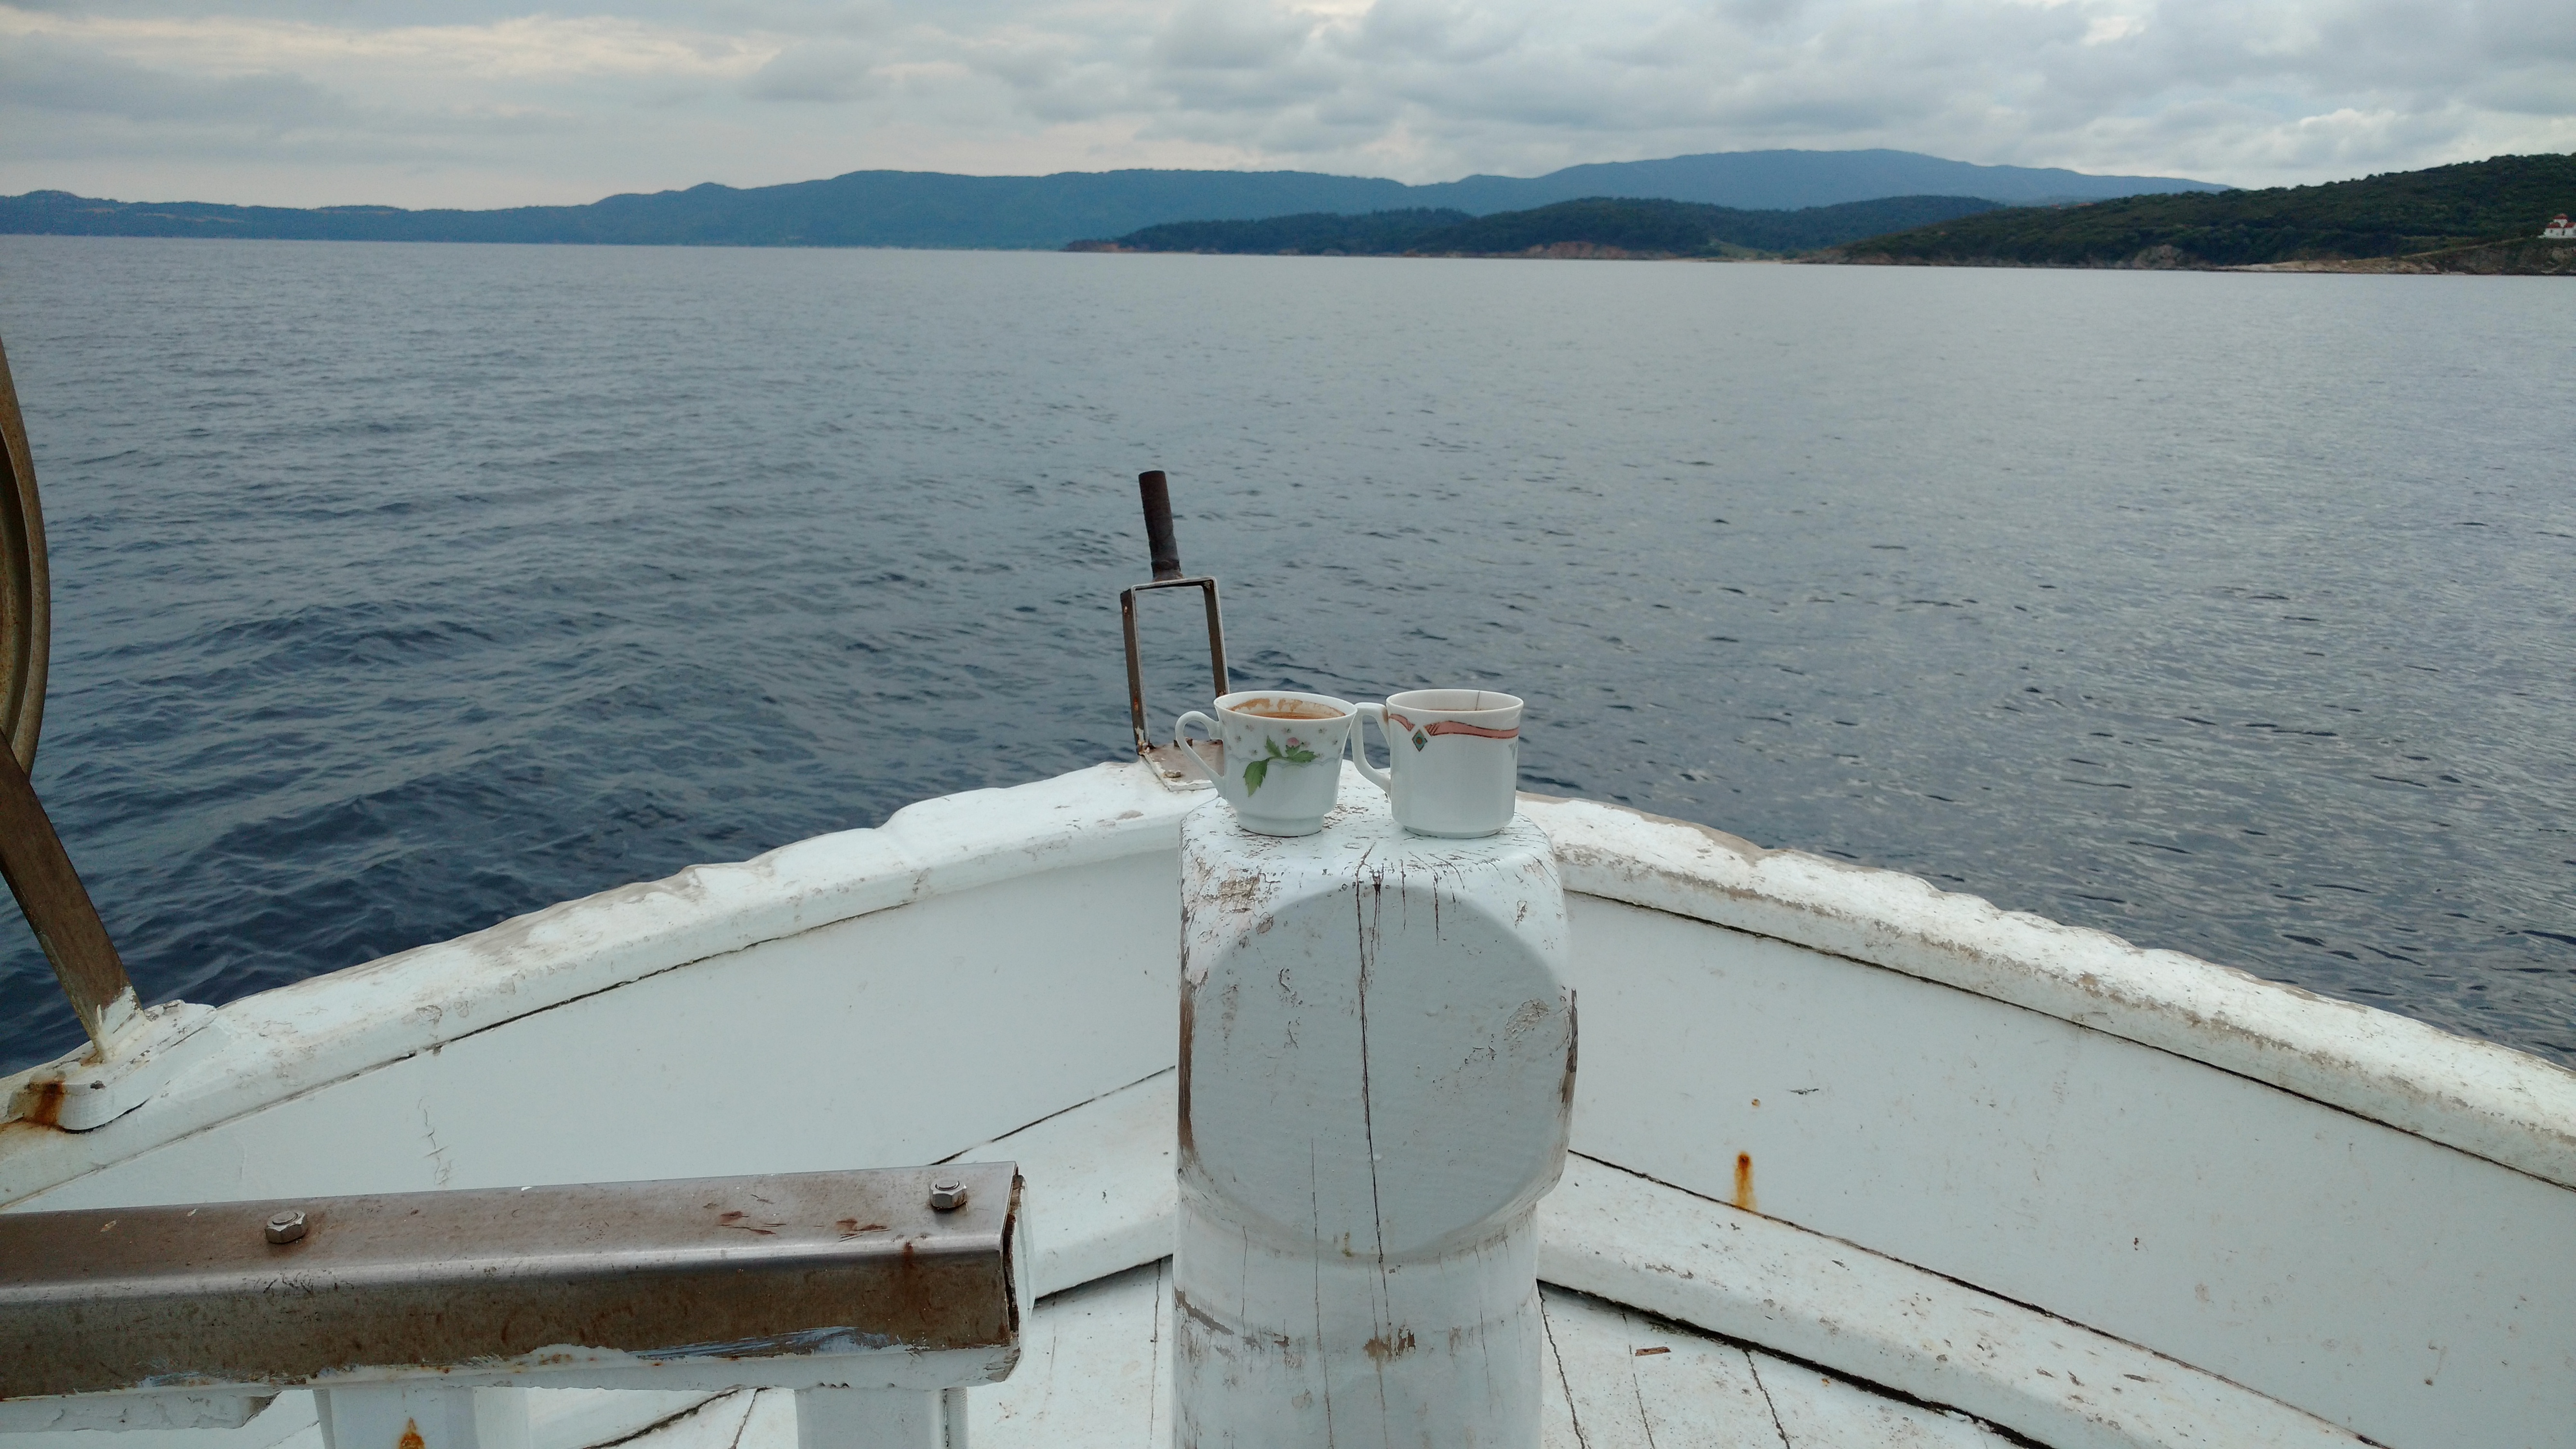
pixel 1453 759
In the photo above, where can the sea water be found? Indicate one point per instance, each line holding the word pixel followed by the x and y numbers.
pixel 400 589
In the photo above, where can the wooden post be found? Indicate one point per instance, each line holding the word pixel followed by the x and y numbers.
pixel 1377 1067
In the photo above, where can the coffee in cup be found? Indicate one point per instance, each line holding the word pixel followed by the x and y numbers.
pixel 1282 756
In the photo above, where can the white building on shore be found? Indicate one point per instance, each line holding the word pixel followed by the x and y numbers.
pixel 2560 229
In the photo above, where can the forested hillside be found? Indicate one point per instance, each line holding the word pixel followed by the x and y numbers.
pixel 2395 214
pixel 1595 226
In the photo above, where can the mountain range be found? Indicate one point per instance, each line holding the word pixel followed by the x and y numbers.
pixel 1592 227
pixel 939 209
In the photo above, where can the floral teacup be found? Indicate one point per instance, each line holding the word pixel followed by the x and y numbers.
pixel 1282 756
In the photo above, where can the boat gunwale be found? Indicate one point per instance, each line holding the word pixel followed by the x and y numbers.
pixel 2483 1099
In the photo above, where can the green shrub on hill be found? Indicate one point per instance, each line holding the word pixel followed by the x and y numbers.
pixel 2394 214
pixel 1310 233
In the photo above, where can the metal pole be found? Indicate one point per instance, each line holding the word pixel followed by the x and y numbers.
pixel 58 909
pixel 25 593
pixel 40 874
pixel 1159 539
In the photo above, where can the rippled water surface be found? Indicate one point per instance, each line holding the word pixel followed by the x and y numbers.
pixel 400 589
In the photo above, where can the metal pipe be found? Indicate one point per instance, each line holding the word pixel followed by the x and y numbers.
pixel 40 874
pixel 1159 539
pixel 59 911
pixel 26 624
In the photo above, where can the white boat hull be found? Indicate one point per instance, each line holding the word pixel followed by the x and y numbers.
pixel 2093 1194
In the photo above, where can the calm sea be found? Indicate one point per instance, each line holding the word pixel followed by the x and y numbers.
pixel 400 589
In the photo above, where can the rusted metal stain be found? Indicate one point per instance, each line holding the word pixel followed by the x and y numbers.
pixel 41 1104
pixel 1744 1182
pixel 1389 1346
pixel 811 1263
pixel 411 1436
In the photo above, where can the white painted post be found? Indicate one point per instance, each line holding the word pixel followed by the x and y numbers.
pixel 391 1417
pixel 1377 1061
pixel 880 1419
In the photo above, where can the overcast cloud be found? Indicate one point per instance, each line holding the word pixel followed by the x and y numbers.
pixel 486 104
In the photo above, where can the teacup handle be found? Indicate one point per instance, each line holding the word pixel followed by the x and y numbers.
pixel 1181 738
pixel 1359 745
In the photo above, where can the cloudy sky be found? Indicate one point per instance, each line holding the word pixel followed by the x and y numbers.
pixel 488 102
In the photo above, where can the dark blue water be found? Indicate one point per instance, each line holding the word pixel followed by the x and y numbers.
pixel 402 589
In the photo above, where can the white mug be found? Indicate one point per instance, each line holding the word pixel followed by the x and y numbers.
pixel 1283 756
pixel 1453 759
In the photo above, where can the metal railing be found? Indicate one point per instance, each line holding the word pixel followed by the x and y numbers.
pixel 876 1296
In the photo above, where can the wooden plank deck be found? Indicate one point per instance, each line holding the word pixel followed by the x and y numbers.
pixel 1096 1374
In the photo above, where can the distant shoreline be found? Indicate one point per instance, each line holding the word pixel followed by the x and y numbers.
pixel 2526 258
pixel 2557 259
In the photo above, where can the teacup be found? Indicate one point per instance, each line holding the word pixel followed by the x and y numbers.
pixel 1453 759
pixel 1283 756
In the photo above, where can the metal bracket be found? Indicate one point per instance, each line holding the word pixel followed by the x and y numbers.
pixel 828 1280
pixel 1167 575
pixel 1145 746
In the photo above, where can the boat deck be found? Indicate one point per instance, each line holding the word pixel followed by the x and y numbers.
pixel 1096 1372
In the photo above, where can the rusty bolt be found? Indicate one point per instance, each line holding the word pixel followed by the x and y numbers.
pixel 287 1226
pixel 947 1195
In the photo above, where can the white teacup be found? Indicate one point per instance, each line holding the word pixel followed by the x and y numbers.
pixel 1453 759
pixel 1283 756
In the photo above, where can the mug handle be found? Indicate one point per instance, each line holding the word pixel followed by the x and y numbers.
pixel 1183 740
pixel 1359 745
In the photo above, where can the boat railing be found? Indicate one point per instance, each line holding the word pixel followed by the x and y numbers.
pixel 419 1320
